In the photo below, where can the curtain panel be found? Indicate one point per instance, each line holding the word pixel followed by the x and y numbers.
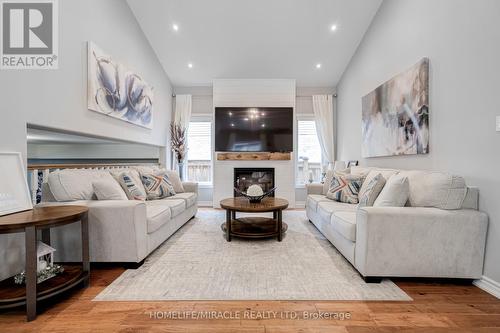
pixel 324 116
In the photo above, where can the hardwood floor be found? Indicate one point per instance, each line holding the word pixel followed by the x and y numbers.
pixel 436 307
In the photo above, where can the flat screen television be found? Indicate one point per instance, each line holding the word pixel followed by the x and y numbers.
pixel 261 129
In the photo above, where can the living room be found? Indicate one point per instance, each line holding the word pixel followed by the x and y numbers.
pixel 249 166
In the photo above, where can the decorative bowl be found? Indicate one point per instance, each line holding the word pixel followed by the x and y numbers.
pixel 255 198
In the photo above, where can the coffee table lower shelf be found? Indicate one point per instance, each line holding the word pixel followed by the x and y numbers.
pixel 254 227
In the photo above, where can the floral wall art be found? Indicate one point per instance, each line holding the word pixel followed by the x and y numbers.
pixel 395 116
pixel 117 91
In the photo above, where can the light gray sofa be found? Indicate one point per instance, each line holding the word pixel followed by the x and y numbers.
pixel 410 241
pixel 125 231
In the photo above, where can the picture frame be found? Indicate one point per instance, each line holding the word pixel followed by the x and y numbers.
pixel 14 190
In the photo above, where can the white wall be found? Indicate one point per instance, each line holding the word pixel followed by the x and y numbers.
pixel 57 98
pixel 461 39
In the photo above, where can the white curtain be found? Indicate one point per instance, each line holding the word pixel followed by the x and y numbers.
pixel 182 116
pixel 323 117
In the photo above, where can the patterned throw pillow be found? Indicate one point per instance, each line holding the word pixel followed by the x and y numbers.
pixel 345 188
pixel 157 185
pixel 129 181
pixel 371 191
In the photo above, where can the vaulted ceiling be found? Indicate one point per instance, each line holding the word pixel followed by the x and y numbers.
pixel 200 40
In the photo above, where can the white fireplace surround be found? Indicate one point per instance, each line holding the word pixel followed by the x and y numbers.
pixel 254 93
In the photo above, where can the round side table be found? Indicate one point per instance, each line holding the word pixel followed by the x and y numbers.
pixel 29 222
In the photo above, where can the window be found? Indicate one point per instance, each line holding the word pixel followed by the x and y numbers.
pixel 199 155
pixel 308 152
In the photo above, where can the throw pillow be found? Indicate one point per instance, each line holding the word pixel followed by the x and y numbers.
pixel 345 188
pixel 157 185
pixel 108 189
pixel 370 190
pixel 174 178
pixel 131 183
pixel 395 192
pixel 329 177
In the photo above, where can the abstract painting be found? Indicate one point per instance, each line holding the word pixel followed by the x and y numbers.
pixel 395 116
pixel 117 91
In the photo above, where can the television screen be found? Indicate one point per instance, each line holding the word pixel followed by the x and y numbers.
pixel 254 129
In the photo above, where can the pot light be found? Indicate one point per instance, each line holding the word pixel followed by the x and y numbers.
pixel 263 125
pixel 190 65
pixel 232 125
pixel 333 27
pixel 318 66
pixel 175 27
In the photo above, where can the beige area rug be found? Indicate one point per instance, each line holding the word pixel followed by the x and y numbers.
pixel 197 263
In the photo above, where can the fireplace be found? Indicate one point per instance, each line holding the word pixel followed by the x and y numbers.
pixel 244 177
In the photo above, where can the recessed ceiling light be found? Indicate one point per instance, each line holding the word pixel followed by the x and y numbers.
pixel 230 113
pixel 175 27
pixel 333 27
pixel 232 125
pixel 263 125
pixel 318 66
pixel 190 65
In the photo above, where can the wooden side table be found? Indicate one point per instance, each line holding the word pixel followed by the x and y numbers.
pixel 29 222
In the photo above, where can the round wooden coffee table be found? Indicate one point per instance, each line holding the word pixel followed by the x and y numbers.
pixel 254 226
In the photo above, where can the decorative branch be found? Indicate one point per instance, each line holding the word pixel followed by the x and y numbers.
pixel 178 141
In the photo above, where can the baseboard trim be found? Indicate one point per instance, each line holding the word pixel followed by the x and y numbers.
pixel 300 204
pixel 205 204
pixel 490 286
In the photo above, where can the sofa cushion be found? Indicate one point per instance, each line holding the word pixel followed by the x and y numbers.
pixel 435 189
pixel 345 188
pixel 75 184
pixel 345 224
pixel 176 206
pixel 327 208
pixel 313 200
pixel 395 192
pixel 157 214
pixel 189 198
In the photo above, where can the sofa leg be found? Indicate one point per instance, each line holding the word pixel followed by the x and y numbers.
pixel 134 265
pixel 372 279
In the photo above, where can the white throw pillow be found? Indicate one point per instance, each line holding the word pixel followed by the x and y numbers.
pixel 108 189
pixel 395 192
pixel 174 178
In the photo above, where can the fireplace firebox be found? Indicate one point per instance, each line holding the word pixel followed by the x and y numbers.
pixel 244 177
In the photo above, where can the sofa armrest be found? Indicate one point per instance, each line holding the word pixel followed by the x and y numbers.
pixel 314 188
pixel 117 232
pixel 190 187
pixel 417 241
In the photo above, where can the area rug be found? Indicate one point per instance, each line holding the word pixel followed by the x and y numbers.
pixel 197 263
